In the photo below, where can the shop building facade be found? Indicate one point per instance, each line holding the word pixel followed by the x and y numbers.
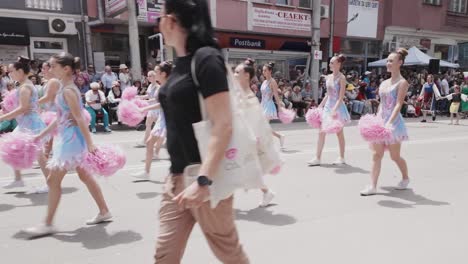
pixel 109 32
pixel 437 27
pixel 41 28
pixel 267 31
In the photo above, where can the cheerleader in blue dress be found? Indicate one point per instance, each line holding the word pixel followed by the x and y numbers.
pixel 333 108
pixel 47 103
pixel 269 90
pixel 26 113
pixel 392 95
pixel 72 142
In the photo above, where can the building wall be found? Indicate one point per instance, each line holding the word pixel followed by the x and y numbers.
pixel 69 6
pixel 415 14
pixel 232 15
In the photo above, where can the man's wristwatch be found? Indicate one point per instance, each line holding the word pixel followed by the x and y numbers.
pixel 204 181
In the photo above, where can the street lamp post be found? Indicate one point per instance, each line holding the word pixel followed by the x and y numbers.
pixel 315 47
pixel 332 28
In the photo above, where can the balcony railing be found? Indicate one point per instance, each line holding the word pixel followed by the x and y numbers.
pixel 45 4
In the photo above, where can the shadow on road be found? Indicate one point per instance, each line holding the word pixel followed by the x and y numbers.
pixel 290 151
pixel 41 199
pixel 264 216
pixel 150 181
pixel 345 169
pixel 147 195
pixel 412 198
pixel 96 237
pixel 6 207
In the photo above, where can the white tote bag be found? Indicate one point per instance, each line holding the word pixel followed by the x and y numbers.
pixel 267 153
pixel 240 167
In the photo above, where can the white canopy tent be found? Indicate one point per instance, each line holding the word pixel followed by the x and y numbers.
pixel 415 58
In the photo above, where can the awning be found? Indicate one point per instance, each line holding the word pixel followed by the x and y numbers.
pixel 14 31
pixel 415 58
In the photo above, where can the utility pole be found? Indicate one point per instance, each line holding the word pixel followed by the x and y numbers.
pixel 314 73
pixel 134 41
pixel 332 28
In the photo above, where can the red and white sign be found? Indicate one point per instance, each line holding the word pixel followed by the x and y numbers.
pixel 317 55
pixel 115 7
pixel 271 18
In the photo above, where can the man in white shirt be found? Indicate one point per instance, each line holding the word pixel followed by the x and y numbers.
pixel 94 101
pixel 108 78
pixel 445 86
pixel 444 90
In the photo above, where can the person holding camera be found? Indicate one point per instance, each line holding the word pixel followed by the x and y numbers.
pixel 95 99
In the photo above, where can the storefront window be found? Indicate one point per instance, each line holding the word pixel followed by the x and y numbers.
pixel 282 2
pixel 373 48
pixel 113 43
pixel 441 51
pixel 304 3
pixel 43 48
pixel 354 47
pixel 48 45
pixel 457 6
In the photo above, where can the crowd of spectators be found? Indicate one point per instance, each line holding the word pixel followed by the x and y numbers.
pixel 101 102
pixel 362 91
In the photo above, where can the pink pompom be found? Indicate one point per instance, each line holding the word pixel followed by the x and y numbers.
pixel 286 116
pixel 10 102
pixel 373 130
pixel 130 93
pixel 19 150
pixel 275 170
pixel 48 117
pixel 314 117
pixel 332 126
pixel 86 116
pixel 141 104
pixel 105 161
pixel 129 114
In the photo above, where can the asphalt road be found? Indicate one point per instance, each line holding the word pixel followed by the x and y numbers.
pixel 317 216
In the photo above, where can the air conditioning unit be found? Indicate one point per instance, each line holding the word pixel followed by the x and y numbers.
pixel 62 26
pixel 324 11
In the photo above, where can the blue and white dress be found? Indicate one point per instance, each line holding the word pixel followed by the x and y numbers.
pixel 388 100
pixel 69 144
pixel 152 92
pixel 333 93
pixel 268 105
pixel 50 106
pixel 159 129
pixel 30 121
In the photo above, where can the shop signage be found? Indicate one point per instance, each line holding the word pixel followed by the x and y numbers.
pixel 363 16
pixel 270 18
pixel 14 32
pixel 317 55
pixel 247 43
pixel 149 10
pixel 115 7
pixel 9 53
